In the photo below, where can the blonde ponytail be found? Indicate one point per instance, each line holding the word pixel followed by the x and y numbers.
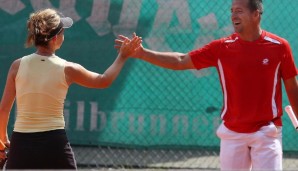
pixel 39 26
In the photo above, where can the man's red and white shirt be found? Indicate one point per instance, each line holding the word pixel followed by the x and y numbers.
pixel 250 75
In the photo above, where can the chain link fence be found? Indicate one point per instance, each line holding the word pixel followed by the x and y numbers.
pixel 150 117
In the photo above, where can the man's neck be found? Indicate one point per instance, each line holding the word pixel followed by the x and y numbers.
pixel 251 36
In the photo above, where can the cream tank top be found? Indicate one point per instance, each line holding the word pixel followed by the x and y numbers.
pixel 41 90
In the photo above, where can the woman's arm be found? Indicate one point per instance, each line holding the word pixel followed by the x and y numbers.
pixel 75 73
pixel 7 101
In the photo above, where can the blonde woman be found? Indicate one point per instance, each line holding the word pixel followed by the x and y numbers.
pixel 40 82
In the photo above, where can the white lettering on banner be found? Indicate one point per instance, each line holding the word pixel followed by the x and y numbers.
pixel 94 118
pixel 180 122
pixel 116 117
pixel 80 116
pixel 66 114
pixel 99 17
pixel 129 17
pixel 136 124
pixel 166 11
pixel 66 6
pixel 157 124
pixel 208 23
pixel 11 6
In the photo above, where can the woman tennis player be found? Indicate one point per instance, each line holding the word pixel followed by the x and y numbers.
pixel 40 82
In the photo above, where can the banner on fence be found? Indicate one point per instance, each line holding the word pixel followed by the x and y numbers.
pixel 146 105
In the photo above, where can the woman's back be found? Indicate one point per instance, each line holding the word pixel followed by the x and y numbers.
pixel 40 92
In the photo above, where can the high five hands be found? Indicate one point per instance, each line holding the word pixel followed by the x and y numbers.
pixel 130 47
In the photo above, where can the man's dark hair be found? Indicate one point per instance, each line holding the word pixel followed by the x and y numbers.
pixel 254 5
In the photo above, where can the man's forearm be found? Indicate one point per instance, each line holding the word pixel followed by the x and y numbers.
pixel 169 60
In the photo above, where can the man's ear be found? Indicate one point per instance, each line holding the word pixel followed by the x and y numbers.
pixel 258 13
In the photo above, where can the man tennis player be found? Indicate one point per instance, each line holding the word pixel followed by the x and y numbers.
pixel 251 64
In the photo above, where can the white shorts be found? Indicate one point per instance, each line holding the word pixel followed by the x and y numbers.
pixel 261 150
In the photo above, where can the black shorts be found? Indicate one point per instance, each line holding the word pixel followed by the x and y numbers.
pixel 41 150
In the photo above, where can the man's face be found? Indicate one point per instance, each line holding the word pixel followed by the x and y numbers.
pixel 243 19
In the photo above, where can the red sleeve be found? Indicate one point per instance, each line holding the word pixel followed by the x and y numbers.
pixel 206 56
pixel 288 67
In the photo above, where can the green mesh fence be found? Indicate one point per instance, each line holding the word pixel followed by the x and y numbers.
pixel 150 117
